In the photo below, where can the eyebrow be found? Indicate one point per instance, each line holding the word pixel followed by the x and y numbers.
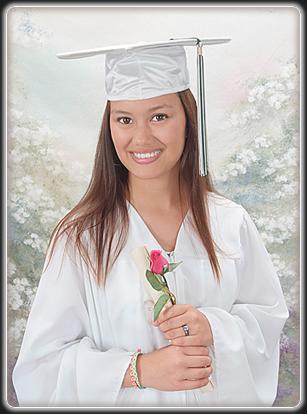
pixel 155 108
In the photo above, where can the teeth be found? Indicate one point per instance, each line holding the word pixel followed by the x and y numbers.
pixel 146 154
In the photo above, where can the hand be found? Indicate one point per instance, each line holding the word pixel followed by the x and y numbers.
pixel 171 320
pixel 174 368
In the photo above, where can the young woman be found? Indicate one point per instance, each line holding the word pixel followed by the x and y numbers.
pixel 89 315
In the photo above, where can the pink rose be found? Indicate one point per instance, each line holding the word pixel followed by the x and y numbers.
pixel 157 261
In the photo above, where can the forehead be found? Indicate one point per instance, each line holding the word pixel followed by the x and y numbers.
pixel 170 100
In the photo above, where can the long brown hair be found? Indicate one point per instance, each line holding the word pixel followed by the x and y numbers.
pixel 103 213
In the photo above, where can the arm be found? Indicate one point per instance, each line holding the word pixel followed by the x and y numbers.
pixel 246 339
pixel 59 362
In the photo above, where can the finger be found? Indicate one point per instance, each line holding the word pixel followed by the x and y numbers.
pixel 170 312
pixel 196 350
pixel 174 333
pixel 198 361
pixel 191 385
pixel 190 340
pixel 193 374
pixel 174 322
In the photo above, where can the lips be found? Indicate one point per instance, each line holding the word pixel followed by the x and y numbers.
pixel 145 157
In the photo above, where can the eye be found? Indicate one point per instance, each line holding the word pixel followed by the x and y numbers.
pixel 124 120
pixel 160 117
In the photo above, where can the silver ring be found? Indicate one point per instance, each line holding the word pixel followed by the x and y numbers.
pixel 186 330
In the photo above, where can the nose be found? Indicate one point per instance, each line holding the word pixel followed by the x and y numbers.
pixel 142 134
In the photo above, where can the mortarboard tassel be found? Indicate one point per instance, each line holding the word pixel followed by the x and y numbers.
pixel 201 113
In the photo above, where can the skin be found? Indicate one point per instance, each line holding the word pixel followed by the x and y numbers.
pixel 135 126
pixel 145 126
pixel 170 324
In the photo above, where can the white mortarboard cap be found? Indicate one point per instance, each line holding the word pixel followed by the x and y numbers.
pixel 145 73
pixel 150 69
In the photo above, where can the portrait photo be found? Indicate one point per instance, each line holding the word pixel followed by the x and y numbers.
pixel 153 196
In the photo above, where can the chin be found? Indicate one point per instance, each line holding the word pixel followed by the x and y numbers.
pixel 146 175
pixel 149 172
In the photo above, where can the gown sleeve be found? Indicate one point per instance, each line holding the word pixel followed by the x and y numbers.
pixel 58 363
pixel 246 338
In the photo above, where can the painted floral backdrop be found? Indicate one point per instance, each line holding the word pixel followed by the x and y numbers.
pixel 263 176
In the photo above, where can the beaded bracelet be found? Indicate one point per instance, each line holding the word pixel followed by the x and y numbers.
pixel 133 372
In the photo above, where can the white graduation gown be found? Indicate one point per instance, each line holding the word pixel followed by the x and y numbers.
pixel 79 338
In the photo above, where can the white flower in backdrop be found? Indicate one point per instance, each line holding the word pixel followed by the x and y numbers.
pixel 263 176
pixel 35 205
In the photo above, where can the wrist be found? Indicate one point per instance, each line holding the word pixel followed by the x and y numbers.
pixel 134 368
pixel 208 331
pixel 141 366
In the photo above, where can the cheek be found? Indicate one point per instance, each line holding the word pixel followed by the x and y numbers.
pixel 119 138
pixel 176 138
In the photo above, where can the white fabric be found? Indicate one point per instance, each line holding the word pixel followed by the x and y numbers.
pixel 79 338
pixel 188 41
pixel 145 73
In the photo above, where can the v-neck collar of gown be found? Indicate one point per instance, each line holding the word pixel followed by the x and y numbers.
pixel 151 236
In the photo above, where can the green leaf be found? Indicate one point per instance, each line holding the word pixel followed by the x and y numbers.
pixel 172 266
pixel 153 280
pixel 159 305
pixel 161 279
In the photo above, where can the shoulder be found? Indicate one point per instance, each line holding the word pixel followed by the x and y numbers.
pixel 227 221
pixel 64 246
pixel 221 207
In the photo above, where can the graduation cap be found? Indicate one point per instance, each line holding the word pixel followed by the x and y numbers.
pixel 149 69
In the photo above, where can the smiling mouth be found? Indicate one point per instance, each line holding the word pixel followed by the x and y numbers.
pixel 142 155
pixel 145 157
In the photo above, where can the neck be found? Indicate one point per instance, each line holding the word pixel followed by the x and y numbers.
pixel 155 192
